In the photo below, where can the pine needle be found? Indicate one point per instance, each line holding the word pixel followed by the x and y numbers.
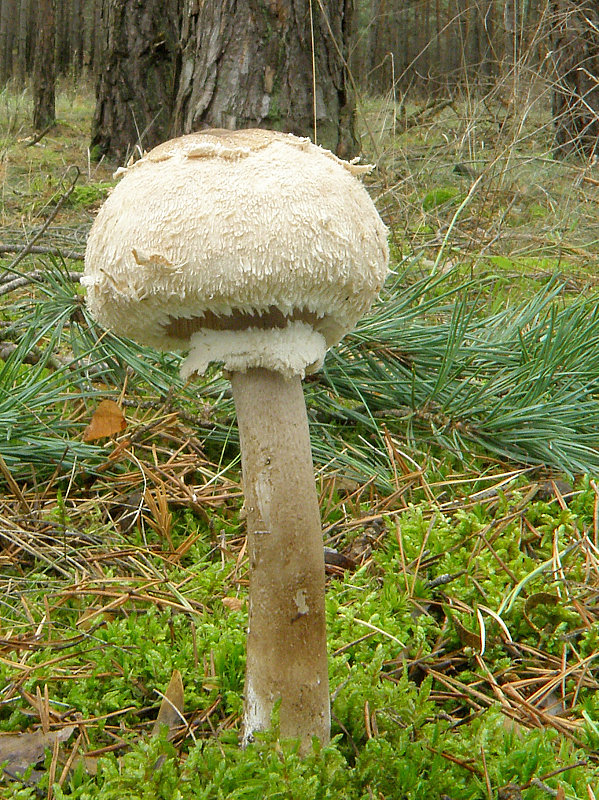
pixel 427 368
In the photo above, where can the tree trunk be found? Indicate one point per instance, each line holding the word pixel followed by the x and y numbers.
pixel 77 36
pixel 23 41
pixel 44 110
pixel 373 56
pixel 465 42
pixel 249 63
pixel 136 76
pixel 453 61
pixel 7 37
pixel 512 34
pixel 438 37
pixel 62 44
pixel 93 18
pixel 575 52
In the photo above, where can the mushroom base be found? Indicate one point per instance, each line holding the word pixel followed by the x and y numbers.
pixel 286 645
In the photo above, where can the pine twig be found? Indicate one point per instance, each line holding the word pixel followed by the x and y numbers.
pixel 40 135
pixel 34 356
pixel 33 277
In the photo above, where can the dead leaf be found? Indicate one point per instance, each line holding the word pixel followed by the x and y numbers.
pixel 467 637
pixel 90 615
pixel 107 419
pixel 233 603
pixel 538 599
pixel 21 750
pixel 170 712
pixel 541 598
pixel 334 558
pixel 510 791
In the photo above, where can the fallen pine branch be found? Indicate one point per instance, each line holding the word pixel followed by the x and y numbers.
pixel 33 277
pixel 39 135
pixel 34 356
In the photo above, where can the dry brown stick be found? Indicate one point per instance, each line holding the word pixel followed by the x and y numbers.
pixel 583 762
pixel 69 763
pixel 430 109
pixel 455 760
pixel 40 135
pixel 592 181
pixel 14 486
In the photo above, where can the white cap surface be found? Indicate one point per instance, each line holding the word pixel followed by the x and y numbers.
pixel 251 248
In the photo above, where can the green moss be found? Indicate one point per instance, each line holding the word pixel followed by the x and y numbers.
pixel 441 196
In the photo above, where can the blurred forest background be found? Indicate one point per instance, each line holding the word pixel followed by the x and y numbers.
pixel 432 45
pixel 140 57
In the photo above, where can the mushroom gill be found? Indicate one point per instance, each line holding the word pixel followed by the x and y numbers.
pixel 273 317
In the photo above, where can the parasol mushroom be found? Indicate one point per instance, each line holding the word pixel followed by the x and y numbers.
pixel 258 250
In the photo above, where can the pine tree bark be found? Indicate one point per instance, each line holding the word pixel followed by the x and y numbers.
pixel 575 53
pixel 375 43
pixel 137 67
pixel 8 17
pixel 94 37
pixel 77 36
pixel 249 63
pixel 44 74
pixel 23 41
pixel 62 58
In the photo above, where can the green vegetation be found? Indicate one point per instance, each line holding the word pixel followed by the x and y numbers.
pixel 456 440
pixel 441 196
pixel 419 700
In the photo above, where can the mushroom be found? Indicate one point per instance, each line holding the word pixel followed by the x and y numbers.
pixel 258 250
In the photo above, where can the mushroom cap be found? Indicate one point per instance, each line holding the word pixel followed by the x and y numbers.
pixel 252 248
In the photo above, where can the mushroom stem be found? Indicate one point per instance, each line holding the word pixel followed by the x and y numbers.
pixel 286 645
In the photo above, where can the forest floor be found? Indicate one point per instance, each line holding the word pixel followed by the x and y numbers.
pixel 463 560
